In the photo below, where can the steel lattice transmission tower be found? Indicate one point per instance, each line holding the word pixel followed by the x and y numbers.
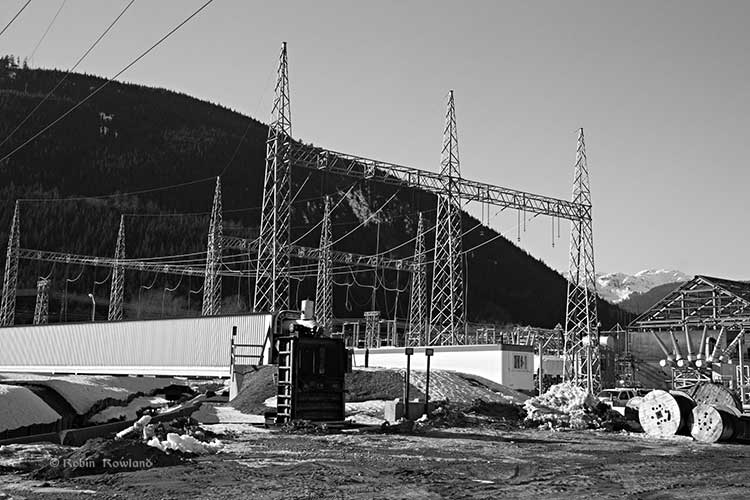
pixel 41 309
pixel 324 287
pixel 581 321
pixel 212 281
pixel 447 313
pixel 117 291
pixel 272 282
pixel 10 279
pixel 418 302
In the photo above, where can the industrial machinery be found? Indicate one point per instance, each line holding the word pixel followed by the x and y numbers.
pixel 311 368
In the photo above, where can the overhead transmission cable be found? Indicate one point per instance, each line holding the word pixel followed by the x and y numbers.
pixel 332 209
pixel 49 26
pixel 376 212
pixel 15 17
pixel 67 74
pixel 107 82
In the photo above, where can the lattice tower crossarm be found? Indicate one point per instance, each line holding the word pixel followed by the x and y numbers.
pixel 10 278
pixel 358 167
pixel 310 253
pixel 212 280
pixel 324 286
pixel 447 320
pixel 117 290
pixel 581 320
pixel 272 283
pixel 41 309
pixel 417 333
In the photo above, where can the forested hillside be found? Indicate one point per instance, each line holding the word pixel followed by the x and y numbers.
pixel 130 138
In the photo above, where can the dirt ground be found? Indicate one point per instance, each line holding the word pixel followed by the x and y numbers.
pixel 455 463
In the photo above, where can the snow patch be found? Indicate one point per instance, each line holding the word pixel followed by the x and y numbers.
pixel 85 391
pixel 360 208
pixel 21 407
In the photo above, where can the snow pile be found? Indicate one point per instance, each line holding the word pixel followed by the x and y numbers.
pixel 463 387
pixel 185 443
pixel 84 392
pixel 20 408
pixel 564 405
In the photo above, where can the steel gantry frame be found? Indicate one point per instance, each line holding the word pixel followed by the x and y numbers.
pixel 274 249
pixel 581 317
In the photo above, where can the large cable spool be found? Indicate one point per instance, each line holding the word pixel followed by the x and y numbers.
pixel 709 393
pixel 665 413
pixel 714 423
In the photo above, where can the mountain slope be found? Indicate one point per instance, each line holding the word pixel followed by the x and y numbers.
pixel 132 138
pixel 638 303
pixel 617 287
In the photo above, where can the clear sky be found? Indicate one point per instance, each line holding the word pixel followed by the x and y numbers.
pixel 662 89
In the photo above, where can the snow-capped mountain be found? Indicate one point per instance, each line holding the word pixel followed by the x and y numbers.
pixel 616 287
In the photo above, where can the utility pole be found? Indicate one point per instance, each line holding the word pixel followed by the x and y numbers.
pixel 272 281
pixel 581 320
pixel 418 301
pixel 117 291
pixel 212 281
pixel 10 279
pixel 324 287
pixel 447 315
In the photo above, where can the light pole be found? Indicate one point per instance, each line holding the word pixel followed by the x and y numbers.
pixel 93 307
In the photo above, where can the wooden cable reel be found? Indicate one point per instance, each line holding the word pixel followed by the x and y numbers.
pixel 665 413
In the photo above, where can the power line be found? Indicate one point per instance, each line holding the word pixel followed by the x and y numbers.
pixel 107 82
pixel 49 26
pixel 14 17
pixel 332 209
pixel 115 195
pixel 65 77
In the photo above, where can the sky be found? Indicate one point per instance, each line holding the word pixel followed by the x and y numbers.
pixel 661 89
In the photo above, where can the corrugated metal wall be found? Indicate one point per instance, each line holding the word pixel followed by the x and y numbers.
pixel 185 346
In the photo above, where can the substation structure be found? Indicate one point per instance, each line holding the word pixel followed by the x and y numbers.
pixel 695 334
pixel 435 319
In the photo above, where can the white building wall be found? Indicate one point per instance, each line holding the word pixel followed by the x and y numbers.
pixel 185 346
pixel 494 362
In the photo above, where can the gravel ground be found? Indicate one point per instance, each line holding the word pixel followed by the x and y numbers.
pixel 465 463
